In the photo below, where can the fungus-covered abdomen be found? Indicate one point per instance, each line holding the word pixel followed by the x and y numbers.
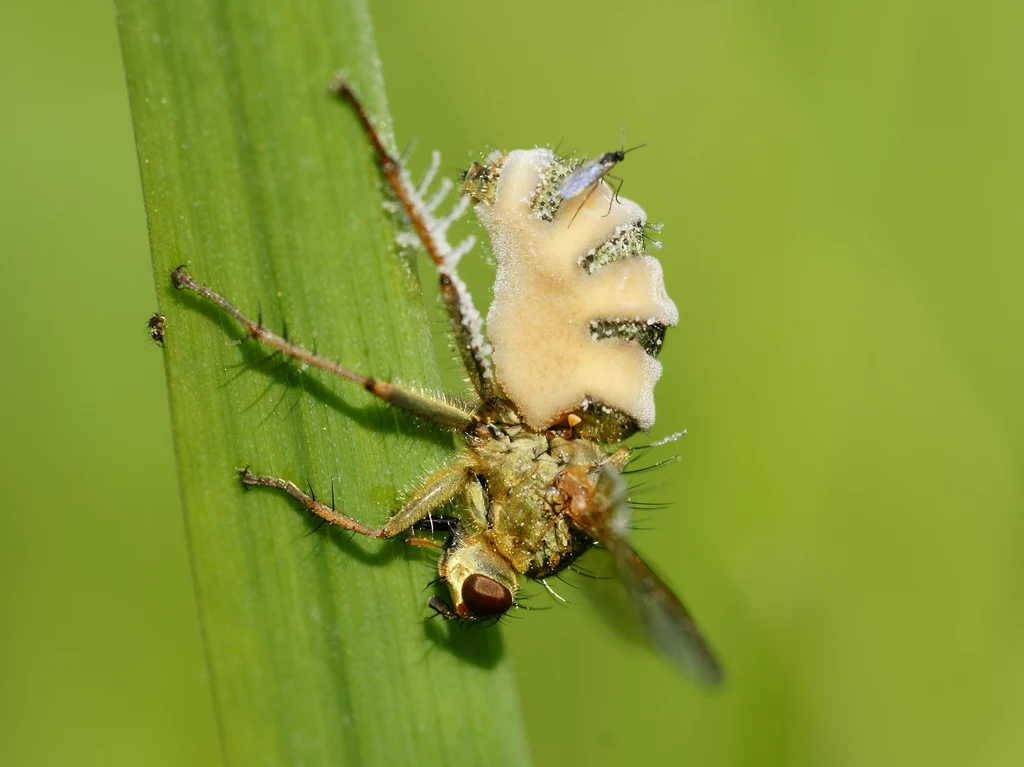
pixel 579 308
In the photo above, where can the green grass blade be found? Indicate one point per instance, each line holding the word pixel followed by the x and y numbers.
pixel 266 189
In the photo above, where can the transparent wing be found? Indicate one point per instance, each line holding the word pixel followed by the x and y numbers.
pixel 669 625
pixel 580 179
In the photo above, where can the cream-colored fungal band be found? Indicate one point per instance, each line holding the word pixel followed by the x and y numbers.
pixel 546 356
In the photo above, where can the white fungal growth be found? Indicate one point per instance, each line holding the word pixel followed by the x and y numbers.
pixel 467 315
pixel 428 177
pixel 439 196
pixel 546 357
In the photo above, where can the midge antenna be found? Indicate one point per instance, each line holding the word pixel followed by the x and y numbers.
pixel 538 479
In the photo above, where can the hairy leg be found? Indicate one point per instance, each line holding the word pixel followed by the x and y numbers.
pixel 447 413
pixel 465 319
pixel 440 488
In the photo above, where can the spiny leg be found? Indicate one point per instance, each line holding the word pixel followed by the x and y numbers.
pixel 322 510
pixel 443 412
pixel 439 489
pixel 465 319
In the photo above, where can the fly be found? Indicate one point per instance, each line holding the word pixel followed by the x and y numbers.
pixel 156 326
pixel 538 479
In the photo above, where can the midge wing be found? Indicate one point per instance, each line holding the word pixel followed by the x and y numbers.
pixel 669 625
pixel 581 178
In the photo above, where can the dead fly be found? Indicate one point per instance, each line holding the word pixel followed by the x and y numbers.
pixel 589 173
pixel 567 372
pixel 155 326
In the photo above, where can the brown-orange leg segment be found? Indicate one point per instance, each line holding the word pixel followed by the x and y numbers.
pixel 323 511
pixel 424 542
pixel 456 298
pixel 434 493
pixel 446 413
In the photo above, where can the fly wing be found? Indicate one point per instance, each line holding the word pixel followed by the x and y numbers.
pixel 668 623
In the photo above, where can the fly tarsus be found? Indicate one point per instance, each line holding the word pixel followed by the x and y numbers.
pixel 325 512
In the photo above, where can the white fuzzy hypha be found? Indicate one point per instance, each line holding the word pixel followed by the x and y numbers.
pixel 450 255
pixel 544 302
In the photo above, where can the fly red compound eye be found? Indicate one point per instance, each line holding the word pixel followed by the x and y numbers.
pixel 485 596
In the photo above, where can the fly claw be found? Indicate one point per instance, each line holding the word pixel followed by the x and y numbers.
pixel 578 316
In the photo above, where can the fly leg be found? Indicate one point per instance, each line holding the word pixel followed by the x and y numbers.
pixel 445 412
pixel 432 232
pixel 438 490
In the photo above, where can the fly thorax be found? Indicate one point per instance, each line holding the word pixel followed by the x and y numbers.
pixel 579 307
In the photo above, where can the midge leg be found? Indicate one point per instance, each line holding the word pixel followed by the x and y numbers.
pixel 465 319
pixel 439 411
pixel 615 194
pixel 432 494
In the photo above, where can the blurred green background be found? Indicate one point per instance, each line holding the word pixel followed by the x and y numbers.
pixel 841 185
